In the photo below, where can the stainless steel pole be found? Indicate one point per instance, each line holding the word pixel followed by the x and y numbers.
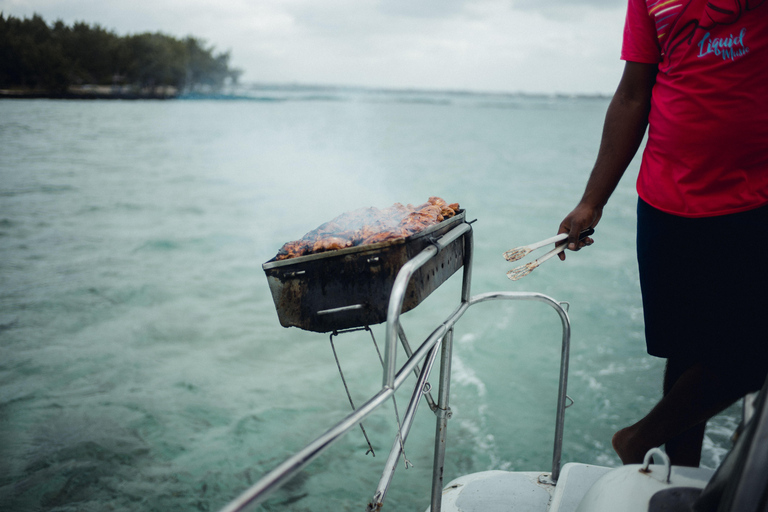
pixel 397 446
pixel 397 296
pixel 564 360
pixel 443 414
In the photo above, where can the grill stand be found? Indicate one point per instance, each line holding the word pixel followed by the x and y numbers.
pixel 392 379
pixel 346 388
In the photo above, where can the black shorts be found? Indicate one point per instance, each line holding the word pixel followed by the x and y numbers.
pixel 704 283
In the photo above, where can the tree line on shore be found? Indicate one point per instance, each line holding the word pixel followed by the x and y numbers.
pixel 55 58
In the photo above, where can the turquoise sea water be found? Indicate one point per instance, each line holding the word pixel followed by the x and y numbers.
pixel 142 365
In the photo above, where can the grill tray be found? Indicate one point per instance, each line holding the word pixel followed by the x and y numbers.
pixel 350 287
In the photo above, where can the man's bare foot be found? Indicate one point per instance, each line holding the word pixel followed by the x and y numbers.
pixel 627 447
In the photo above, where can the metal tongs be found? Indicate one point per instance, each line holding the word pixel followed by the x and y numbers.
pixel 519 253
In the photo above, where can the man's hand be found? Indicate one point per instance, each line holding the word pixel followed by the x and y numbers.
pixel 581 218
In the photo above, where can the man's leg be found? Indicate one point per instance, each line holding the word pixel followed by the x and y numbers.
pixel 700 392
pixel 684 449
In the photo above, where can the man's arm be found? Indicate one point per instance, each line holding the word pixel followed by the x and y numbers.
pixel 625 124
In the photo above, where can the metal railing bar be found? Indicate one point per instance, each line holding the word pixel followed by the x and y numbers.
pixel 469 256
pixel 564 361
pixel 394 454
pixel 409 353
pixel 397 297
pixel 441 425
pixel 430 342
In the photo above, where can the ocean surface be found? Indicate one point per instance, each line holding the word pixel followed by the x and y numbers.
pixel 142 364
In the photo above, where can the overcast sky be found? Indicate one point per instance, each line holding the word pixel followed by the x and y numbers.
pixel 549 46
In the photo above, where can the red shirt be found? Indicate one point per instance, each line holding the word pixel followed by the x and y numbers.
pixel 707 148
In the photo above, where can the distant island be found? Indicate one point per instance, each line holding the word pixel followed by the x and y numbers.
pixel 38 60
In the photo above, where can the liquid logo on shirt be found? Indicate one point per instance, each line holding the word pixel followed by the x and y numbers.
pixel 691 22
pixel 729 48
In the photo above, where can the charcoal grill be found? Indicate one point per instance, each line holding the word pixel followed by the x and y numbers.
pixel 351 287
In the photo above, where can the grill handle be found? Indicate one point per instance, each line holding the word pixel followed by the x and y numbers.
pixel 353 307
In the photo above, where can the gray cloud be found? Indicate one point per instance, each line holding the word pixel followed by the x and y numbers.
pixel 421 8
pixel 547 5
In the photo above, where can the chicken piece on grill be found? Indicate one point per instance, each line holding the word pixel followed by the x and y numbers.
pixel 422 218
pixel 446 210
pixel 386 235
pixel 293 250
pixel 331 243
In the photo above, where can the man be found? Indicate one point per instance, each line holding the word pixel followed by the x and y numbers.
pixel 696 74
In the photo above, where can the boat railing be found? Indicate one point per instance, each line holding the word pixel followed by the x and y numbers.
pixel 439 341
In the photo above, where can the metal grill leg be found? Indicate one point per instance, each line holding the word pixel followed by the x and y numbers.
pixel 349 396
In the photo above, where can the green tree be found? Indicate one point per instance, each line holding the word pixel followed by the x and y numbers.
pixel 31 57
pixel 34 55
pixel 90 51
pixel 204 70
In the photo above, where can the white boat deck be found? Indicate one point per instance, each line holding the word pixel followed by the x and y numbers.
pixel 504 491
pixel 580 488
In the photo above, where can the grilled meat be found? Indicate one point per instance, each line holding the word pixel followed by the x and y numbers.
pixel 368 226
